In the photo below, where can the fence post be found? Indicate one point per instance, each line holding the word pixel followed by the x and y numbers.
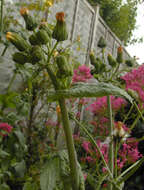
pixel 74 20
pixel 93 31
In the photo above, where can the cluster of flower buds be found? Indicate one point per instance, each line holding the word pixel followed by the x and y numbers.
pixel 31 52
pixel 99 65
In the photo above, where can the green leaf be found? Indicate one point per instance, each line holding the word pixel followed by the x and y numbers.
pixel 20 137
pixel 4 186
pixel 3 154
pixel 30 186
pixel 20 168
pixel 89 90
pixel 50 174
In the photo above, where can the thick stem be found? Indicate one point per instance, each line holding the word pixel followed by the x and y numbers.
pixel 70 145
pixel 67 128
pixel 111 146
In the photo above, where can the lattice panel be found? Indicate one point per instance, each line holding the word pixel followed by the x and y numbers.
pixel 83 27
pixel 100 31
pixel 110 42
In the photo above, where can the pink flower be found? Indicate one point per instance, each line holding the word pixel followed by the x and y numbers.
pixel 82 74
pixel 99 106
pixel 86 145
pixel 135 81
pixel 85 176
pixel 5 127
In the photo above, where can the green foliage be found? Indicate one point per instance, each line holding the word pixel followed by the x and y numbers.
pixel 120 16
pixel 50 174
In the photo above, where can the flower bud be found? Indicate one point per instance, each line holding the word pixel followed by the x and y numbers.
pixel 112 62
pixel 19 42
pixel 60 30
pixel 31 23
pixel 44 26
pixel 101 43
pixel 34 40
pixel 119 54
pixel 21 57
pixel 94 62
pixel 36 54
pixel 42 37
pixel 129 63
pixel 64 69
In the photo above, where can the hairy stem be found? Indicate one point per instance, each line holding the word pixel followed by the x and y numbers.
pixel 66 127
pixel 70 145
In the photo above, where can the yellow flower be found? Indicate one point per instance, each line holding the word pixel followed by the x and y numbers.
pixel 9 36
pixel 58 110
pixel 55 53
pixel 48 3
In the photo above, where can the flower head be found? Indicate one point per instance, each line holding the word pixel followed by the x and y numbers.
pixel 24 11
pixel 60 16
pixel 5 128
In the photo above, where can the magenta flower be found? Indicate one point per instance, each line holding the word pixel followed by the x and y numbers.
pixel 82 74
pixel 99 106
pixel 5 129
pixel 135 81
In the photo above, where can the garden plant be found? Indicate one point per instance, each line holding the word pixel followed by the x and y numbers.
pixel 69 125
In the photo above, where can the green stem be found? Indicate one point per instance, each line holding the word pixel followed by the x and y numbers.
pixel 70 145
pixel 126 117
pixel 66 127
pixel 116 152
pixel 115 72
pixel 140 113
pixel 1 18
pixel 111 147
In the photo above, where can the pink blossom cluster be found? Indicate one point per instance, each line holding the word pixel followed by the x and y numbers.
pixel 82 74
pixel 99 106
pixel 129 153
pixel 5 128
pixel 135 81
pixel 100 126
pixel 91 153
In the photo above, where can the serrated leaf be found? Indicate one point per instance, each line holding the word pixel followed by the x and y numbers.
pixel 89 90
pixel 50 174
